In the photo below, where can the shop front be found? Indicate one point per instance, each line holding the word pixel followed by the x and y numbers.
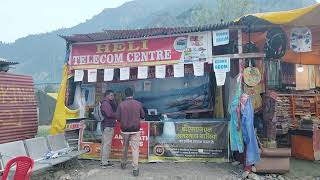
pixel 177 79
pixel 291 104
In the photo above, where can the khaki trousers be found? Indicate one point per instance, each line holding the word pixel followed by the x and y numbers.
pixel 106 144
pixel 134 140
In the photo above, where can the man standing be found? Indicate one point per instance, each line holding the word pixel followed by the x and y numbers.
pixel 108 109
pixel 129 113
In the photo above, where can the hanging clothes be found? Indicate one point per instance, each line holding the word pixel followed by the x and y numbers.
pixel 317 74
pixel 273 69
pixel 218 107
pixel 312 77
pixel 306 79
pixel 288 73
pixel 249 136
pixel 234 125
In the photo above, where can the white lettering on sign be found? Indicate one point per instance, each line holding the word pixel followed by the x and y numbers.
pixel 221 64
pixel 118 58
pixel 220 37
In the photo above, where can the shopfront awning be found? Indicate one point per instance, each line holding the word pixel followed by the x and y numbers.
pixel 304 17
pixel 307 16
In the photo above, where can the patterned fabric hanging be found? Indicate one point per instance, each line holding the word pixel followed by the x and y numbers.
pixel 301 39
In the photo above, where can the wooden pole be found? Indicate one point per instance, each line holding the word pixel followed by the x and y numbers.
pixel 240 51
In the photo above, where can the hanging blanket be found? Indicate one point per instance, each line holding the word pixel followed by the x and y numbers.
pixel 249 137
pixel 234 127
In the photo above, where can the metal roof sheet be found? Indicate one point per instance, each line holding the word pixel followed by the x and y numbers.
pixel 18 108
pixel 6 62
pixel 141 33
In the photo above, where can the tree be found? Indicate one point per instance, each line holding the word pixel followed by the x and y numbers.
pixel 49 89
pixel 228 10
pixel 212 13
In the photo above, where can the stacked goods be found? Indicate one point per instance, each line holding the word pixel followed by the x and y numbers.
pixel 283 114
pixel 305 108
pixel 305 105
pixel 308 122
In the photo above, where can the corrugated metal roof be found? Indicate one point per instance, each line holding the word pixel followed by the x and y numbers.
pixel 140 33
pixel 18 108
pixel 6 62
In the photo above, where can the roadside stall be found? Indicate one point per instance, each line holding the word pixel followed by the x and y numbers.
pixel 291 110
pixel 186 79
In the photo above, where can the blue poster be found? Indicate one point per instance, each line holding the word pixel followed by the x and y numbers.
pixel 170 94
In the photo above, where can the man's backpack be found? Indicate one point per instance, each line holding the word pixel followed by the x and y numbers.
pixel 97 113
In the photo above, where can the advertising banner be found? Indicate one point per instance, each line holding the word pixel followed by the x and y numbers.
pixel 154 51
pixel 168 95
pixel 188 141
pixel 94 147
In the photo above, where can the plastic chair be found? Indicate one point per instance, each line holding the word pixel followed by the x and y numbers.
pixel 23 165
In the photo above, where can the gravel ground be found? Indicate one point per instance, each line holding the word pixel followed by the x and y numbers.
pixel 149 171
pixel 90 170
pixel 170 171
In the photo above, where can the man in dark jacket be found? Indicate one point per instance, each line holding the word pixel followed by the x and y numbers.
pixel 108 109
pixel 129 113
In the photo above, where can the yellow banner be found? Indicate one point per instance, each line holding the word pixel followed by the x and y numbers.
pixel 61 112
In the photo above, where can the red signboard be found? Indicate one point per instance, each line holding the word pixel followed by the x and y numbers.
pixel 187 49
pixel 167 50
pixel 117 142
pixel 117 145
pixel 73 126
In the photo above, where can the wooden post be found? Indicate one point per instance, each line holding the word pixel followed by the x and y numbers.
pixel 240 51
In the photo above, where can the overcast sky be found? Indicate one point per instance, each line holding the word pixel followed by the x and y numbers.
pixel 19 18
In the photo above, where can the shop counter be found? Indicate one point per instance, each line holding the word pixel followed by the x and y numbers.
pixel 305 144
pixel 175 140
